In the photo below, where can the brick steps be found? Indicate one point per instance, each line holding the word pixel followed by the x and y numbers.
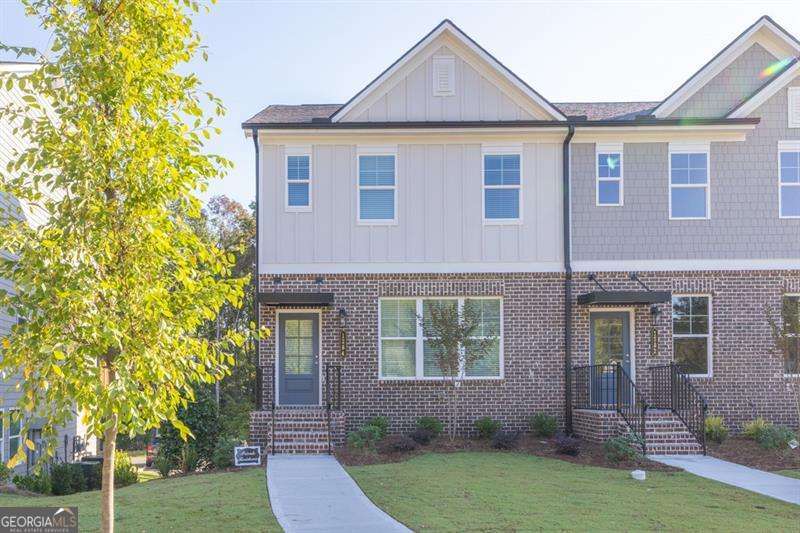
pixel 301 430
pixel 665 434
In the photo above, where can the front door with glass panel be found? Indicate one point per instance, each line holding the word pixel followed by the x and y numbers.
pixel 298 359
pixel 609 346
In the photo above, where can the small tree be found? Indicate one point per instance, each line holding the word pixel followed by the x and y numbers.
pixel 454 337
pixel 785 326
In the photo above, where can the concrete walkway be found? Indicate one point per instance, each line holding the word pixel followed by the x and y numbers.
pixel 314 493
pixel 772 485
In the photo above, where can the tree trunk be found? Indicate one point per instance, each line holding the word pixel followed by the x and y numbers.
pixel 107 491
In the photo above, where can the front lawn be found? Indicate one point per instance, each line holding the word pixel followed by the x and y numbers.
pixel 227 501
pixel 514 491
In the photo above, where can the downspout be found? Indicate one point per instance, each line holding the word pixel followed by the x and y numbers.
pixel 257 362
pixel 567 280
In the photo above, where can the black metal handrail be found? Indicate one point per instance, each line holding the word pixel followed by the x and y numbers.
pixel 609 387
pixel 670 388
pixel 333 393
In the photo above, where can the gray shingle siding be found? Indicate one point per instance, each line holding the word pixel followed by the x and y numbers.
pixel 744 220
pixel 728 88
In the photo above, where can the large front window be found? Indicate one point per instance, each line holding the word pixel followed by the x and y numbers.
pixel 691 338
pixel 790 184
pixel 405 352
pixel 688 185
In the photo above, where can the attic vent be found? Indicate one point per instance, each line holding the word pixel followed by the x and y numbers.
pixel 444 76
pixel 794 107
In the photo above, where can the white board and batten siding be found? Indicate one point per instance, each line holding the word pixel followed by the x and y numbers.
pixel 440 226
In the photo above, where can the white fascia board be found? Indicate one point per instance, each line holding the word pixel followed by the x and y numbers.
pixel 683 265
pixel 789 146
pixel 766 93
pixel 414 267
pixel 700 78
pixel 409 56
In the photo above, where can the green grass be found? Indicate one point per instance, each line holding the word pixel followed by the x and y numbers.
pixel 229 501
pixel 510 491
pixel 789 473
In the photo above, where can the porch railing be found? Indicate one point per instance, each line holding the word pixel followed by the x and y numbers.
pixel 670 388
pixel 333 394
pixel 609 387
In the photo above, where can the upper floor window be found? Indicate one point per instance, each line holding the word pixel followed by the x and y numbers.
pixel 298 181
pixel 793 97
pixel 791 328
pixel 502 189
pixel 789 199
pixel 609 175
pixel 377 189
pixel 688 184
pixel 691 333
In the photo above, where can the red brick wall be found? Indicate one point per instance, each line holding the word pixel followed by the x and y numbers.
pixel 533 346
pixel 747 378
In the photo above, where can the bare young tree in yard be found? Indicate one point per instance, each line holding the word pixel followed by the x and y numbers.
pixel 112 290
pixel 458 337
pixel 785 326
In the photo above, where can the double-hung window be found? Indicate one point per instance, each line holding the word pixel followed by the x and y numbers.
pixel 789 200
pixel 406 353
pixel 14 424
pixel 609 175
pixel 688 183
pixel 502 185
pixel 691 333
pixel 377 187
pixel 791 329
pixel 298 178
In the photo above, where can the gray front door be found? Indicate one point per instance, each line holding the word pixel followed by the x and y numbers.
pixel 610 344
pixel 298 359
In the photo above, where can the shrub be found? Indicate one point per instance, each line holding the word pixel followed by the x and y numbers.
pixel 622 448
pixel 67 478
pixel 487 427
pixel 223 453
pixel 190 459
pixel 380 422
pixel 422 436
pixel 399 443
pixel 754 428
pixel 364 437
pixel 432 424
pixel 39 482
pixel 543 425
pixel 202 419
pixel 124 472
pixel 568 445
pixel 773 437
pixel 716 431
pixel 505 440
pixel 5 473
pixel 163 464
pixel 93 474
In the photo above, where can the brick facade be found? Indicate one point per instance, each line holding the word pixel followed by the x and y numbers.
pixel 747 379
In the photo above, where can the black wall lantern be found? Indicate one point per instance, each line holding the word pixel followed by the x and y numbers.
pixel 342 333
pixel 654 314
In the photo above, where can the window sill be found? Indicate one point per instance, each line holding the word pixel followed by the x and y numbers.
pixel 502 222
pixel 376 222
pixel 383 380
pixel 298 209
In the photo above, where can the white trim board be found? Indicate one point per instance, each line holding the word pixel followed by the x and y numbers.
pixel 763 31
pixel 415 56
pixel 683 265
pixel 766 93
pixel 410 267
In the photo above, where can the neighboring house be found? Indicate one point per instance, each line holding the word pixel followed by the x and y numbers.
pixel 445 179
pixel 72 441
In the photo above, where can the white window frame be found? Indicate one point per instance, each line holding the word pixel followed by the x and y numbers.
pixel 298 151
pixel 704 148
pixel 709 336
pixel 513 149
pixel 376 150
pixel 789 295
pixel 615 148
pixel 419 353
pixel 3 430
pixel 792 102
pixel 786 146
pixel 18 436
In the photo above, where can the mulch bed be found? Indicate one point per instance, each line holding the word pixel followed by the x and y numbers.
pixel 591 454
pixel 749 453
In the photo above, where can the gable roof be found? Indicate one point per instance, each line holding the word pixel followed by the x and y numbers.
pixel 767 90
pixel 725 56
pixel 449 28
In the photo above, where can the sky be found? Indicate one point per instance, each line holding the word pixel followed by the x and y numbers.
pixel 265 52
